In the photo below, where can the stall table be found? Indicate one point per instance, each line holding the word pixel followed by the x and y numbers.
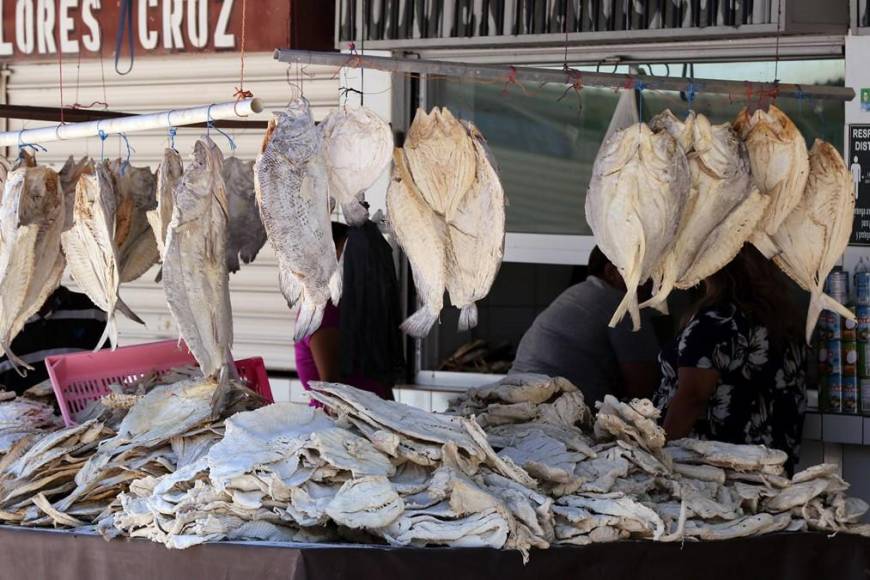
pixel 50 555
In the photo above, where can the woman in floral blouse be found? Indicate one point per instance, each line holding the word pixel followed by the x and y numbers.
pixel 736 372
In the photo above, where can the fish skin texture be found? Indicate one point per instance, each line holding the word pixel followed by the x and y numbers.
pixel 90 248
pixel 421 235
pixel 639 185
pixel 195 277
pixel 815 234
pixel 32 217
pixel 475 236
pixel 721 211
pixel 69 178
pixel 780 166
pixel 291 185
pixel 246 232
pixel 357 147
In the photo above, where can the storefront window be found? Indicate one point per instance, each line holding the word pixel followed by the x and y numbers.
pixel 545 139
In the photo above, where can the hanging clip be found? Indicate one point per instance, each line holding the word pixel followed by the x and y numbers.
pixel 22 146
pixel 210 125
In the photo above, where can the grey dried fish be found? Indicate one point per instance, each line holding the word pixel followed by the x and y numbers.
pixel 246 231
pixel 136 190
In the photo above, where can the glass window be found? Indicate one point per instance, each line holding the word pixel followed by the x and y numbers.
pixel 545 138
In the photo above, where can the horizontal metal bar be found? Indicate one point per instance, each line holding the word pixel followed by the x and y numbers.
pixel 509 74
pixel 164 119
pixel 30 113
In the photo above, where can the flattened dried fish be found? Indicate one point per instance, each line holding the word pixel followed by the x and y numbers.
pixel 357 146
pixel 136 190
pixel 291 184
pixel 168 175
pixel 195 277
pixel 247 233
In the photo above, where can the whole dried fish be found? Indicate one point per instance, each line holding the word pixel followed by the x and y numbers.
pixel 32 217
pixel 422 236
pixel 815 234
pixel 476 236
pixel 168 175
pixel 246 232
pixel 778 154
pixel 90 248
pixel 195 277
pixel 640 183
pixel 136 190
pixel 291 184
pixel 357 147
pixel 69 177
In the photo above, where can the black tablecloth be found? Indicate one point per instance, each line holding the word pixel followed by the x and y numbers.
pixel 26 554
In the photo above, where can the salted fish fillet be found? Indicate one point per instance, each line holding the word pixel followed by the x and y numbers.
pixel 69 178
pixel 422 236
pixel 195 277
pixel 475 236
pixel 292 193
pixel 442 160
pixel 639 185
pixel 168 175
pixel 32 217
pixel 358 147
pixel 780 166
pixel 815 234
pixel 721 212
pixel 247 235
pixel 136 191
pixel 90 248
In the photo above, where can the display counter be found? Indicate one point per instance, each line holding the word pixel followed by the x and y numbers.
pixel 50 555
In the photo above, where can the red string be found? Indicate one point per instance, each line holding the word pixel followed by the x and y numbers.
pixel 512 80
pixel 241 93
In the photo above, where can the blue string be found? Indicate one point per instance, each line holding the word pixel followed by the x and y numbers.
pixel 639 86
pixel 103 136
pixel 210 125
pixel 130 150
pixel 690 94
pixel 125 17
pixel 800 97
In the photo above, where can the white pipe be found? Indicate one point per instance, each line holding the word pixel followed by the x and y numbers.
pixel 164 120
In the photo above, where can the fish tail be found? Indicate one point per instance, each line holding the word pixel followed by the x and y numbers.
pixel 355 213
pixel 468 317
pixel 122 307
pixel 820 301
pixel 335 282
pixel 629 301
pixel 309 319
pixel 659 300
pixel 110 334
pixel 17 363
pixel 420 323
pixel 764 244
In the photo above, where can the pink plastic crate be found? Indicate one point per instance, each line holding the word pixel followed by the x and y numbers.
pixel 83 377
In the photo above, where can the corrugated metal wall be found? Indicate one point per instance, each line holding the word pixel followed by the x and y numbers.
pixel 263 323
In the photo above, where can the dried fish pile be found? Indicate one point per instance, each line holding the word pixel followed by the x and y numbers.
pixel 72 477
pixel 533 468
pixel 21 417
pixel 447 208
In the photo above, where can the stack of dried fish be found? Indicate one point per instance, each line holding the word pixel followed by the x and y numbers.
pixel 20 417
pixel 447 208
pixel 71 477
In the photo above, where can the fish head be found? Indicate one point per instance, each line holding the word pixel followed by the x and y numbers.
pixel 202 181
pixel 137 182
pixel 682 131
pixel 293 130
pixel 717 148
pixel 357 146
pixel 42 200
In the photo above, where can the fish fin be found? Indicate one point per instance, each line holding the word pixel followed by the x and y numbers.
pixel 309 319
pixel 659 300
pixel 17 363
pixel 820 301
pixel 290 286
pixel 420 323
pixel 122 307
pixel 468 317
pixel 110 334
pixel 629 301
pixel 354 212
pixel 335 282
pixel 159 277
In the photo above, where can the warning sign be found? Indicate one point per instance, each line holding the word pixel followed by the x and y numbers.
pixel 858 162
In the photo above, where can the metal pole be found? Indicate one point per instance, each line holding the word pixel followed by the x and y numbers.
pixel 162 120
pixel 499 73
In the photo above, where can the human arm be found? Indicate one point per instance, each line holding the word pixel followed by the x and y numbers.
pixel 636 354
pixel 326 351
pixel 639 379
pixel 695 387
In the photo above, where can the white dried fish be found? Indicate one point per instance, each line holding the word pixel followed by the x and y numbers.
pixel 291 185
pixel 195 277
pixel 168 175
pixel 357 148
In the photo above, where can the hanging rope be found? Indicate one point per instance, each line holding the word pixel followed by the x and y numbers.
pixel 125 21
pixel 210 125
pixel 130 150
pixel 172 133
pixel 241 93
pixel 103 136
pixel 32 146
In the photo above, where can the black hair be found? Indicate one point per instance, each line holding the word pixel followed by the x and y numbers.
pixel 339 232
pixel 597 262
